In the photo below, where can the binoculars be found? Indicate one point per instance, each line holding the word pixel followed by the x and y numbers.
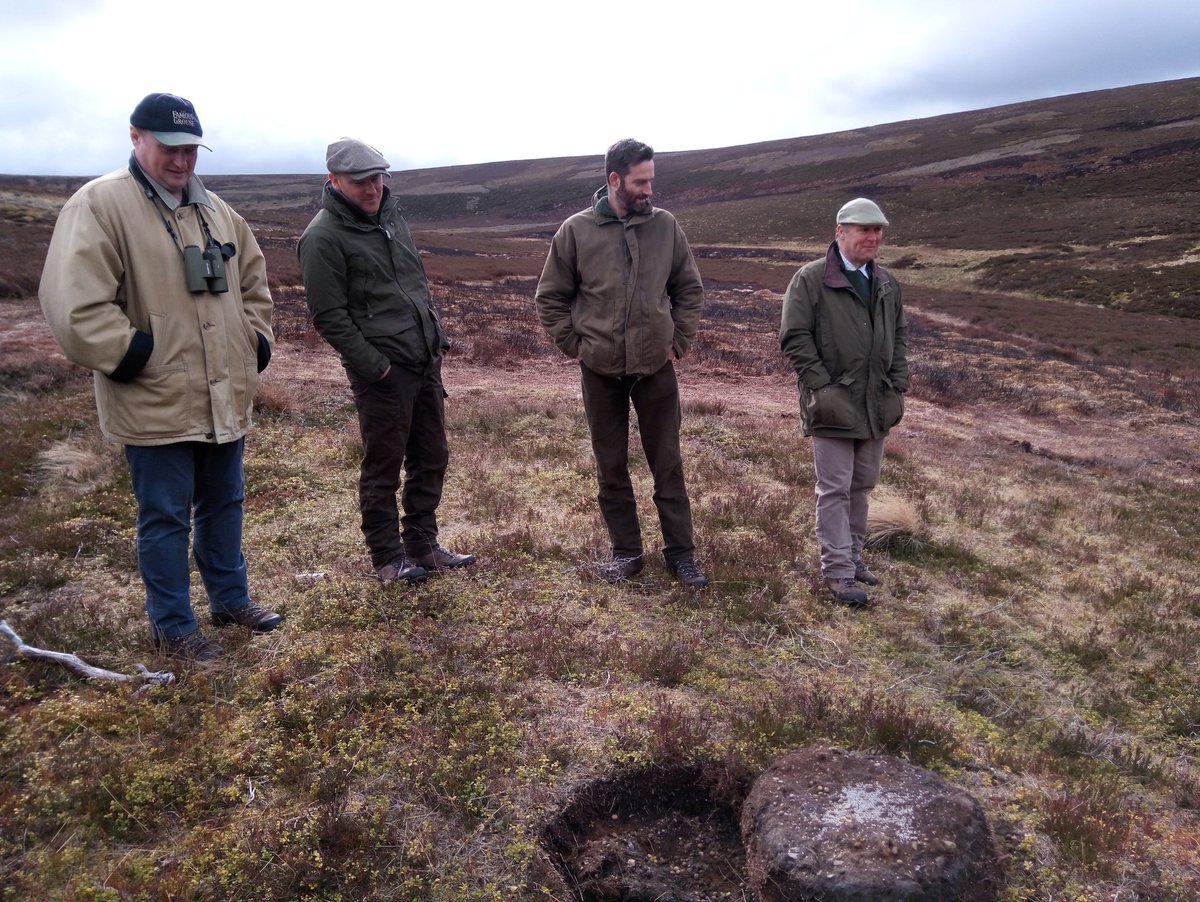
pixel 204 270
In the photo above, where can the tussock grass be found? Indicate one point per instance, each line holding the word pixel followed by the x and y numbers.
pixel 893 522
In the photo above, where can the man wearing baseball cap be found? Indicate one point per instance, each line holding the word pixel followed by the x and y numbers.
pixel 158 286
pixel 843 329
pixel 370 300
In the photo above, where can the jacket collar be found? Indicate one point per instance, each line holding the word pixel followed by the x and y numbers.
pixel 605 213
pixel 194 192
pixel 351 214
pixel 835 278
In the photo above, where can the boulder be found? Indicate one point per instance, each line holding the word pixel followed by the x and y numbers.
pixel 836 826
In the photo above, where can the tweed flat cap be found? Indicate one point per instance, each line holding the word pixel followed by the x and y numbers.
pixel 357 159
pixel 861 211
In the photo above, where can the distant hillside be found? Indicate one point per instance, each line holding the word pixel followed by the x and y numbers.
pixel 1092 197
pixel 1089 197
pixel 1008 166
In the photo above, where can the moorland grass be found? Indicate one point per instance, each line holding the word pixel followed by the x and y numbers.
pixel 1035 647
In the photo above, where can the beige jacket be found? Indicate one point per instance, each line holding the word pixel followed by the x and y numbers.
pixel 170 366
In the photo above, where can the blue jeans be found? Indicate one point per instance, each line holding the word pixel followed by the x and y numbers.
pixel 177 486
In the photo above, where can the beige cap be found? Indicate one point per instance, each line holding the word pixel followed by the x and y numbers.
pixel 861 211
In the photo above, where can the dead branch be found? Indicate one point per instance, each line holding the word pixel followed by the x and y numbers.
pixel 162 677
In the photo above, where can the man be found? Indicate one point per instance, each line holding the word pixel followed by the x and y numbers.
pixel 159 287
pixel 843 330
pixel 620 291
pixel 370 300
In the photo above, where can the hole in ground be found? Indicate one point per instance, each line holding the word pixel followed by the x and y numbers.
pixel 663 834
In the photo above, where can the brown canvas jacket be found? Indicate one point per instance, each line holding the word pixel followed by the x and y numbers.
pixel 620 295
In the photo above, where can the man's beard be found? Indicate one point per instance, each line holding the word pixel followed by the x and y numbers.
pixel 631 202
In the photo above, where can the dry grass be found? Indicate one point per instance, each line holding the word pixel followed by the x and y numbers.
pixel 893 522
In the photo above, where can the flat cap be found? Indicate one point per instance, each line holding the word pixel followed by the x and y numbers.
pixel 357 159
pixel 861 211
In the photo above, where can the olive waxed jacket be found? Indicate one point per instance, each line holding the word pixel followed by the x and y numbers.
pixel 621 295
pixel 366 287
pixel 850 357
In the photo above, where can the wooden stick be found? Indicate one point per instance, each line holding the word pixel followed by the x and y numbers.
pixel 162 677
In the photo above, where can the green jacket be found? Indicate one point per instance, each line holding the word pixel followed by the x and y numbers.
pixel 366 287
pixel 620 295
pixel 169 365
pixel 850 358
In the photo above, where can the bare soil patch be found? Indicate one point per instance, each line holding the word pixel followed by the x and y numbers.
pixel 653 836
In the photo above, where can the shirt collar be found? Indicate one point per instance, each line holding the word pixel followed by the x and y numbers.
pixel 847 265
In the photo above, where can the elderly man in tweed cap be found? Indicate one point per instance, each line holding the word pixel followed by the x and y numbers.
pixel 844 332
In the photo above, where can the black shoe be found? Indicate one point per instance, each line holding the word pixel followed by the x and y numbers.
pixel 194 646
pixel 441 559
pixel 251 615
pixel 845 591
pixel 401 570
pixel 620 569
pixel 689 574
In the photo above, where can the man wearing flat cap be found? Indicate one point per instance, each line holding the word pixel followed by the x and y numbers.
pixel 158 286
pixel 844 332
pixel 370 300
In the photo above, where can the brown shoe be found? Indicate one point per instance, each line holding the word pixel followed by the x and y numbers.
pixel 400 570
pixel 620 569
pixel 194 647
pixel 865 576
pixel 845 591
pixel 441 559
pixel 250 615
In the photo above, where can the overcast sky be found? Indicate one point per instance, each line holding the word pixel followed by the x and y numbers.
pixel 439 82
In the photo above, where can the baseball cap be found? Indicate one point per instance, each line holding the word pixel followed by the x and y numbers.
pixel 170 118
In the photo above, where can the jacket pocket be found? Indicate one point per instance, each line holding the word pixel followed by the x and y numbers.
pixel 384 324
pixel 571 344
pixel 891 407
pixel 832 406
pixel 156 404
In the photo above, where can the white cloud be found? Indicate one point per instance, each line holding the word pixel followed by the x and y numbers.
pixel 449 82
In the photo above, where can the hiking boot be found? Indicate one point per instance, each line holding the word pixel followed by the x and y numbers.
pixel 251 615
pixel 689 574
pixel 865 576
pixel 620 569
pixel 845 591
pixel 194 647
pixel 441 559
pixel 400 570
